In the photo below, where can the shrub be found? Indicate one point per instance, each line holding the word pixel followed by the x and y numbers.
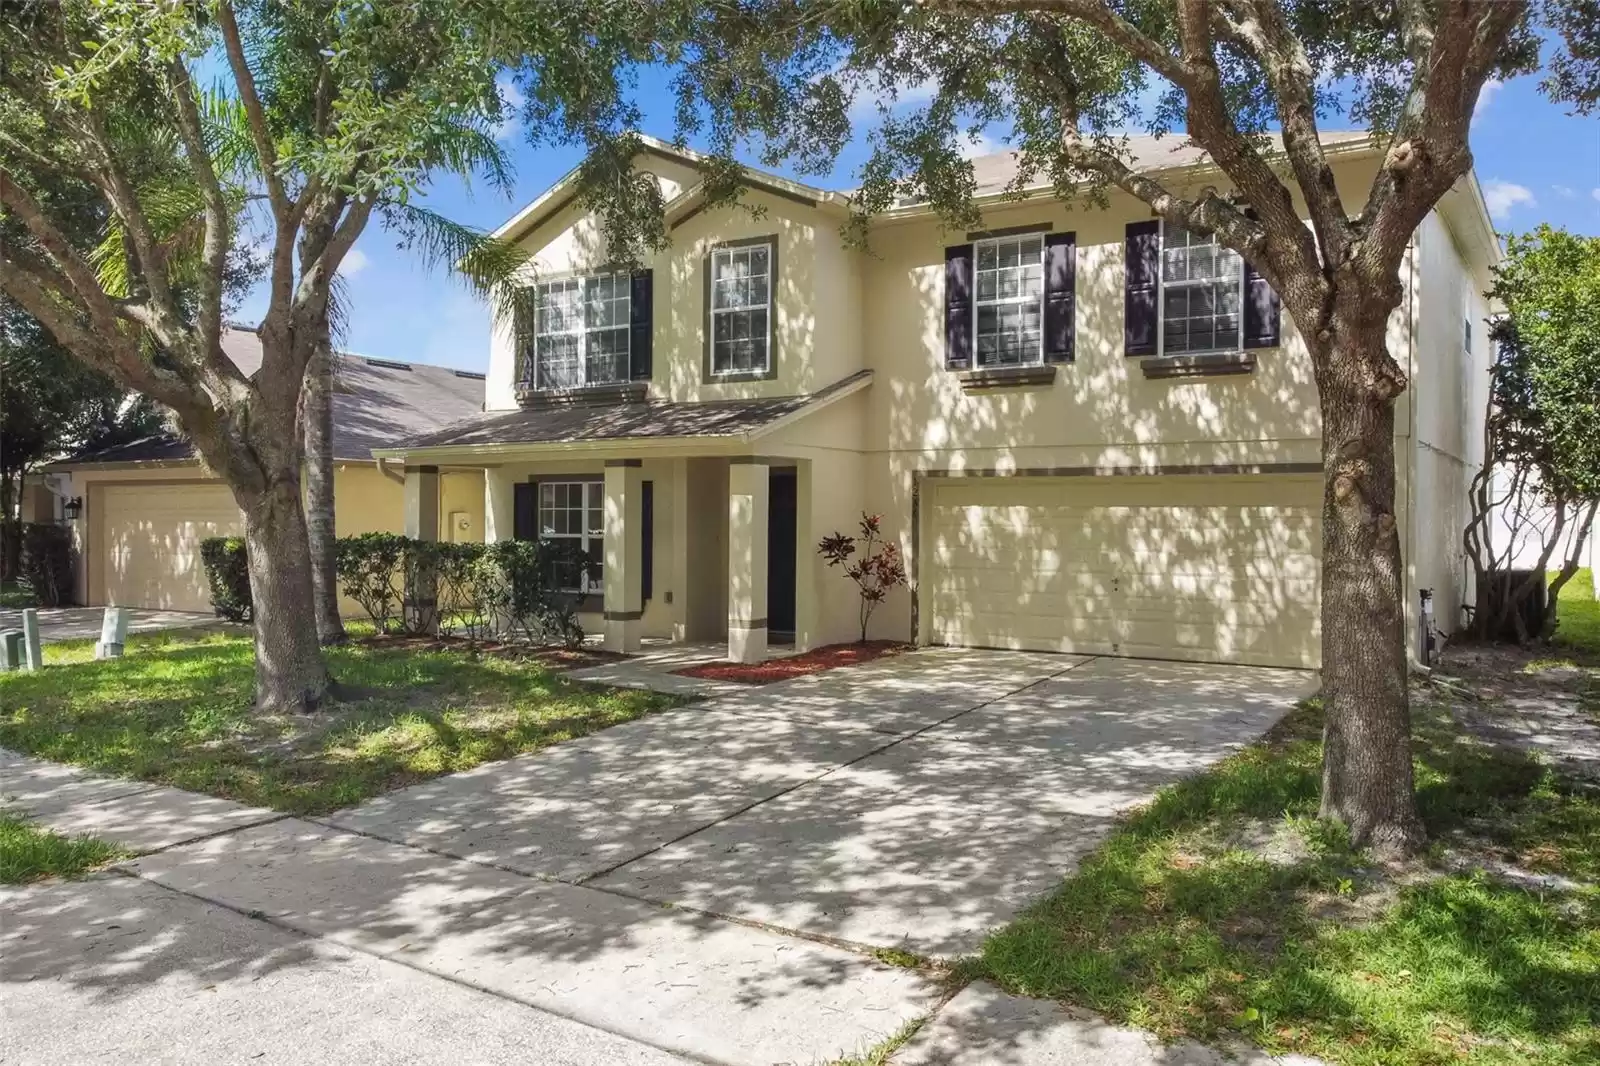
pixel 228 572
pixel 367 566
pixel 878 570
pixel 47 562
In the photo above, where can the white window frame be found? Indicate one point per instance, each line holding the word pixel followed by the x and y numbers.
pixel 729 250
pixel 1161 298
pixel 584 330
pixel 999 301
pixel 593 493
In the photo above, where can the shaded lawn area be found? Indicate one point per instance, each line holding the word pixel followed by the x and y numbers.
pixel 177 710
pixel 28 853
pixel 14 594
pixel 1223 910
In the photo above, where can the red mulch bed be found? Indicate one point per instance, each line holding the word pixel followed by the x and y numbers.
pixel 557 658
pixel 815 661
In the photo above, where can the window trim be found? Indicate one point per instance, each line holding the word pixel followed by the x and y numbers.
pixel 592 594
pixel 998 237
pixel 531 381
pixel 1161 300
pixel 708 375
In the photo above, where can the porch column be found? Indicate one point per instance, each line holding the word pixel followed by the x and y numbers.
pixel 422 523
pixel 499 505
pixel 624 554
pixel 747 559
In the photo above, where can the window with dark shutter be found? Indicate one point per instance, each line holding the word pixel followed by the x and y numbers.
pixel 640 323
pixel 647 548
pixel 958 307
pixel 1060 283
pixel 1142 282
pixel 526 511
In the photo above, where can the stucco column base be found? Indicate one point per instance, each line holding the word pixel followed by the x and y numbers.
pixel 624 555
pixel 747 560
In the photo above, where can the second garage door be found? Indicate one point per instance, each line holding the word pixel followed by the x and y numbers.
pixel 148 549
pixel 1217 569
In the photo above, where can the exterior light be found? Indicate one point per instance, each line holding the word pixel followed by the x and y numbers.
pixel 71 508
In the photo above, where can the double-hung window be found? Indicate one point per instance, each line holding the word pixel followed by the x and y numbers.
pixel 1009 300
pixel 1202 292
pixel 573 512
pixel 741 309
pixel 581 336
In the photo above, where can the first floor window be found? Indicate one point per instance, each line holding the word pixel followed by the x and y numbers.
pixel 1009 300
pixel 1202 291
pixel 741 309
pixel 581 336
pixel 573 512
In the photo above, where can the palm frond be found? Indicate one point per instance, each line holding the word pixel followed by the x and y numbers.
pixel 468 150
pixel 488 265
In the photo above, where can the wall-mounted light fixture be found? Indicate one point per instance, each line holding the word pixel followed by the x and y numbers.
pixel 71 508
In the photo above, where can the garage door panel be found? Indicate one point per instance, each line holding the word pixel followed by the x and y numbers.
pixel 1191 567
pixel 150 537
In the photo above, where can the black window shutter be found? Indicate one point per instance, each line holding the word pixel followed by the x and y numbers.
pixel 958 307
pixel 647 549
pixel 641 319
pixel 526 511
pixel 1261 310
pixel 1142 281
pixel 1060 283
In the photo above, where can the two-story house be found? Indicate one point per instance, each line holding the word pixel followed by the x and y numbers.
pixel 1087 430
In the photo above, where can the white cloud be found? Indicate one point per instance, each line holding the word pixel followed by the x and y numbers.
pixel 980 144
pixel 1595 193
pixel 353 263
pixel 1490 87
pixel 1566 192
pixel 1502 196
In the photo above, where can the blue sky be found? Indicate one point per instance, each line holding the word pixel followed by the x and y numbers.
pixel 1536 164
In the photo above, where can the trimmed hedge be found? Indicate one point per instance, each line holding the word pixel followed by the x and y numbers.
pixel 228 572
pixel 47 562
pixel 479 591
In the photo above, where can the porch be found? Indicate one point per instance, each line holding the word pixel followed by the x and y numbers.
pixel 689 537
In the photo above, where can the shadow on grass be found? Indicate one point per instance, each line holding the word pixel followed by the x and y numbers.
pixel 179 711
pixel 1222 910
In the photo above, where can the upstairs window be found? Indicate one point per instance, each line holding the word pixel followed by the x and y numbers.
pixel 740 306
pixel 581 336
pixel 1202 292
pixel 1008 296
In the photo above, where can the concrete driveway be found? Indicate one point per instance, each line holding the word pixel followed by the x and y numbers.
pixel 915 802
pixel 83 623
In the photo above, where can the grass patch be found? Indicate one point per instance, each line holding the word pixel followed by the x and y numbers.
pixel 176 709
pixel 1224 910
pixel 28 853
pixel 16 595
pixel 1578 615
pixel 879 1054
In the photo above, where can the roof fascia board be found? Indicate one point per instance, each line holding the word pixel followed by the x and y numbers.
pixel 825 399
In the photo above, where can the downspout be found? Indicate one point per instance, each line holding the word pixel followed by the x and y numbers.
pixel 386 471
pixel 1409 549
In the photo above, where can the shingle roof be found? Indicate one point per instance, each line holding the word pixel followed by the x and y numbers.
pixel 375 403
pixel 993 173
pixel 624 421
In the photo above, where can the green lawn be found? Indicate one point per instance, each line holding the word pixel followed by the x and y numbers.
pixel 1578 614
pixel 28 853
pixel 1223 910
pixel 13 594
pixel 177 710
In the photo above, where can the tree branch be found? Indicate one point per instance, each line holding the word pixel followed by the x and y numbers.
pixel 218 228
pixel 80 276
pixel 255 114
pixel 1095 13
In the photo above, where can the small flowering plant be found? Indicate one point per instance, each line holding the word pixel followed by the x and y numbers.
pixel 873 563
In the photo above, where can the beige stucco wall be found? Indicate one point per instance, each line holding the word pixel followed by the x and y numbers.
pixel 366 501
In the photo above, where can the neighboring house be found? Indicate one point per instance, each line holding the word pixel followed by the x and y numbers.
pixel 145 507
pixel 1086 431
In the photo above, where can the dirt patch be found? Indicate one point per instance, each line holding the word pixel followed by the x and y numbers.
pixel 556 658
pixel 1538 700
pixel 815 661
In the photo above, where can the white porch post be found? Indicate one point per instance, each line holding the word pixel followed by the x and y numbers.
pixel 499 505
pixel 422 523
pixel 624 554
pixel 747 559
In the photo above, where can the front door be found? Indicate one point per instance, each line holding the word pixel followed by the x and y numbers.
pixel 782 513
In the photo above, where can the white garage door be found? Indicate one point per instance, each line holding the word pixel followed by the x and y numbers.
pixel 1221 569
pixel 149 544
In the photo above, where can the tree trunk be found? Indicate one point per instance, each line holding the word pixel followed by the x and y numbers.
pixel 317 416
pixel 1366 769
pixel 290 674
